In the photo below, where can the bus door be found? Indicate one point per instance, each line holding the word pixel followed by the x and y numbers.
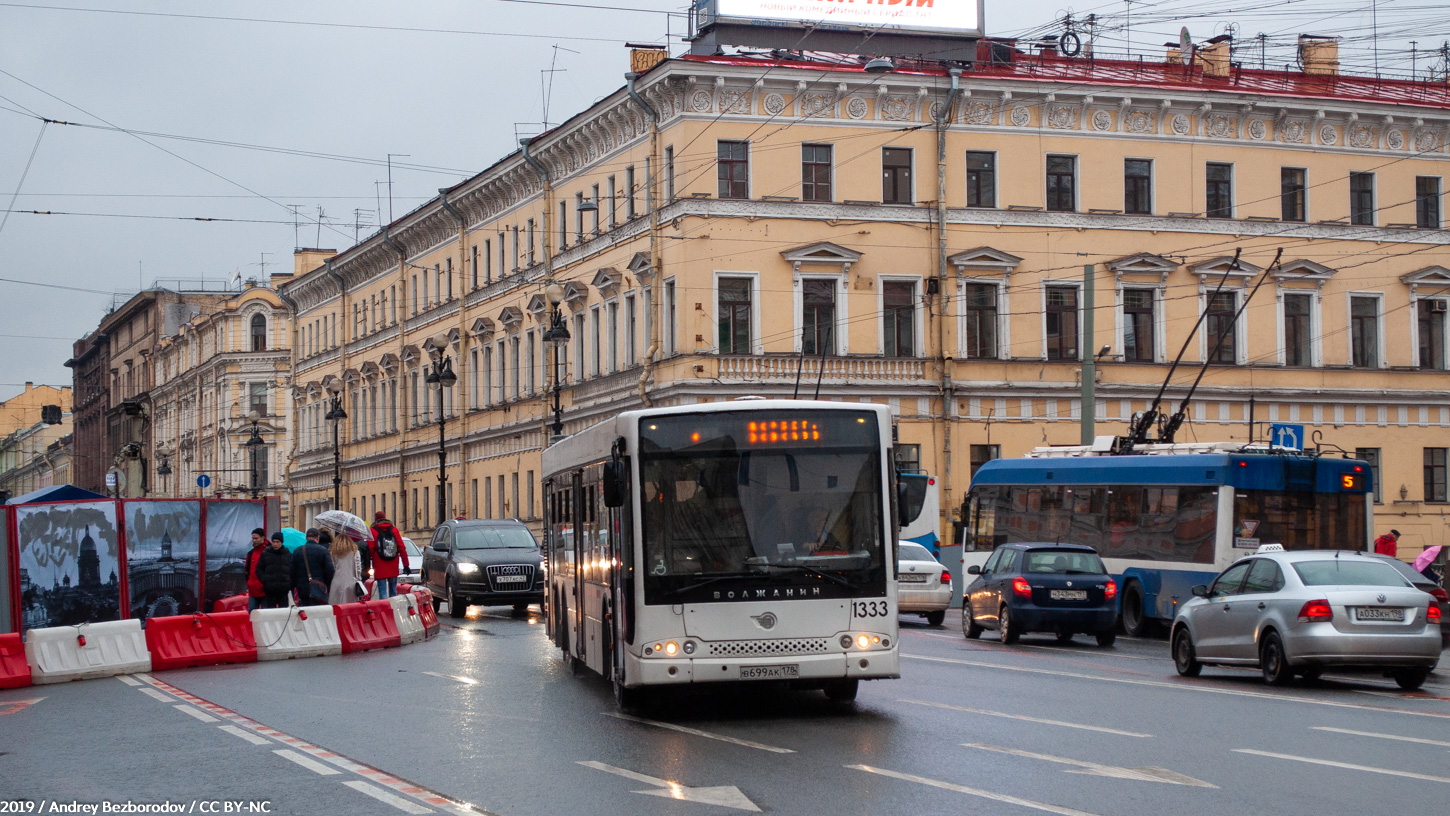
pixel 583 543
pixel 596 584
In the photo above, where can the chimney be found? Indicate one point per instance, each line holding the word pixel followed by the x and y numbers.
pixel 1319 54
pixel 29 385
pixel 643 57
pixel 1214 56
pixel 305 260
pixel 277 279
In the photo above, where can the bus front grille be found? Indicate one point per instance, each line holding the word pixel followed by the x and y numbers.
pixel 751 648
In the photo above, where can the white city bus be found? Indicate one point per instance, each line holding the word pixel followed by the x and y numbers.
pixel 729 541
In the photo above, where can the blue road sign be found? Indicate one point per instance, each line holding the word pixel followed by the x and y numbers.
pixel 1288 437
pixel 205 481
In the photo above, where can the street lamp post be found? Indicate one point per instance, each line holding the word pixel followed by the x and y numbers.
pixel 557 337
pixel 164 452
pixel 441 375
pixel 337 415
pixel 254 445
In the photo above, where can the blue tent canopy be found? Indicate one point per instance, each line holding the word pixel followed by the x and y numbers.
pixel 56 493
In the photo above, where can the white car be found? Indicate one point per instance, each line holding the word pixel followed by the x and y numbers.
pixel 414 575
pixel 924 586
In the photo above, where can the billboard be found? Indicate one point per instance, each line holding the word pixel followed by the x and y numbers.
pixel 950 17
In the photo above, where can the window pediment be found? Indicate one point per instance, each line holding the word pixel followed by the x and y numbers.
pixel 411 354
pixel 1429 276
pixel 538 307
pixel 639 265
pixel 482 328
pixel 984 259
pixel 824 253
pixel 1304 270
pixel 370 370
pixel 511 317
pixel 606 280
pixel 1209 270
pixel 1143 263
pixel 575 294
pixel 389 363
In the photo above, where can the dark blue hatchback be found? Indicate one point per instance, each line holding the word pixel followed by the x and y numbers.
pixel 1042 587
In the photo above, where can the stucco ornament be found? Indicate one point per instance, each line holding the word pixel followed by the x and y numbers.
pixel 1294 132
pixel 700 101
pixel 1222 127
pixel 1328 135
pixel 1062 117
pixel 818 105
pixel 1102 120
pixel 1258 129
pixel 1395 140
pixel 1179 123
pixel 1361 137
pixel 735 101
pixel 1426 142
pixel 979 114
pixel 1141 122
pixel 895 108
pixel 1021 116
pixel 773 103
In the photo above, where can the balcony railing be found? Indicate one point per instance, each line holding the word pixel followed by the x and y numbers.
pixel 784 367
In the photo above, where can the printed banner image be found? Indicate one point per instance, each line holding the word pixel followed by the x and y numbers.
pixel 229 526
pixel 163 557
pixel 69 564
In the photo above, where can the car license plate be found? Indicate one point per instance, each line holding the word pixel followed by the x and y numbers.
pixel 789 671
pixel 509 579
pixel 1068 594
pixel 908 578
pixel 1379 613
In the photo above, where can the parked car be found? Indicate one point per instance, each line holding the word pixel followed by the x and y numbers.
pixel 1303 611
pixel 414 575
pixel 924 586
pixel 1442 598
pixel 1042 587
pixel 488 563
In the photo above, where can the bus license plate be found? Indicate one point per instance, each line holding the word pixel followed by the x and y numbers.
pixel 908 578
pixel 509 579
pixel 1376 613
pixel 1068 594
pixel 787 672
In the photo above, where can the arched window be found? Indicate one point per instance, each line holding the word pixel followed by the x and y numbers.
pixel 259 333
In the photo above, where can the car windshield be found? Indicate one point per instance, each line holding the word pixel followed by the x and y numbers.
pixel 492 538
pixel 914 552
pixel 1348 572
pixel 1062 561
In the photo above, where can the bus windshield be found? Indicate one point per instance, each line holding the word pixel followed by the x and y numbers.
pixel 731 500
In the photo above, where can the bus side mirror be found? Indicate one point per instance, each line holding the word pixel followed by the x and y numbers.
pixel 974 570
pixel 1200 591
pixel 613 484
pixel 903 512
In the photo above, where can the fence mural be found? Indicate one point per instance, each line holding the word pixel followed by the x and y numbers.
pixel 69 563
pixel 163 557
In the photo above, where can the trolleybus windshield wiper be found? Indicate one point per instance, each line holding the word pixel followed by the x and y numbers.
pixel 812 570
pixel 708 581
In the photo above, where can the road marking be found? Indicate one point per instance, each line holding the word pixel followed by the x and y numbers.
pixel 244 734
pixel 383 796
pixel 1085 652
pixel 1333 764
pixel 999 797
pixel 1148 774
pixel 154 694
pixel 684 730
pixel 130 681
pixel 17 706
pixel 723 795
pixel 1181 686
pixel 307 762
pixel 1098 728
pixel 195 712
pixel 1418 696
pixel 457 678
pixel 1382 736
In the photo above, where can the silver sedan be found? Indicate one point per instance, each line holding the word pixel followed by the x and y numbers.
pixel 1301 612
pixel 924 586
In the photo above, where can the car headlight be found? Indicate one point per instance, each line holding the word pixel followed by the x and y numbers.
pixel 466 569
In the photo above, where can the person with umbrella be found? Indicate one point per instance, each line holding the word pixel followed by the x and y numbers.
pixel 1424 562
pixel 312 572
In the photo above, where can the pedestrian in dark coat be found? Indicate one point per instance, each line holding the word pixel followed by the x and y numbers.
pixel 312 570
pixel 274 570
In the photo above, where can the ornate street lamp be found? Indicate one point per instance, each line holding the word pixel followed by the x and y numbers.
pixel 337 415
pixel 441 375
pixel 254 445
pixel 558 338
pixel 164 452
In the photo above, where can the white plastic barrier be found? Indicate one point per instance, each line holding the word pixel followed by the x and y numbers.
pixel 308 631
pixel 61 653
pixel 410 625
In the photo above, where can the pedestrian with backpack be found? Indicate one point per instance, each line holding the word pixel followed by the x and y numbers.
pixel 386 549
pixel 312 570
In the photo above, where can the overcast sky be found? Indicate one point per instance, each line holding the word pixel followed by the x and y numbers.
pixel 350 83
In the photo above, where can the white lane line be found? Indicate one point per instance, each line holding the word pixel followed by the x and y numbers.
pixel 1148 774
pixel 1081 652
pixel 999 797
pixel 244 734
pixel 1333 764
pixel 1382 736
pixel 457 678
pixel 985 712
pixel 383 796
pixel 1417 696
pixel 306 761
pixel 195 712
pixel 1181 686
pixel 684 730
pixel 157 695
pixel 130 681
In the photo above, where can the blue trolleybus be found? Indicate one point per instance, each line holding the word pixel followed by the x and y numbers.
pixel 1169 516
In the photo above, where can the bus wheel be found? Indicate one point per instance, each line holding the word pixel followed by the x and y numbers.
pixel 936 618
pixel 842 691
pixel 1135 620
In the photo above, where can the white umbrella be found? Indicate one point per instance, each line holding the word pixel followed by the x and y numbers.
pixel 344 523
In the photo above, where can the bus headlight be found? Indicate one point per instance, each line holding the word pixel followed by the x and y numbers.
pixel 863 642
pixel 671 648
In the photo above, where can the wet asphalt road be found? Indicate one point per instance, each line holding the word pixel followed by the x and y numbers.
pixel 486 717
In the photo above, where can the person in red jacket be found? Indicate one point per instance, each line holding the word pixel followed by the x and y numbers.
pixel 255 591
pixel 1388 544
pixel 386 541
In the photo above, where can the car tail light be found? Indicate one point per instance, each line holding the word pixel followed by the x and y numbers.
pixel 1434 615
pixel 1315 611
pixel 1111 591
pixel 1440 595
pixel 1021 587
pixel 946 578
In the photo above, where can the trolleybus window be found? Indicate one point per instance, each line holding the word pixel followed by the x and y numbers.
pixel 735 501
pixel 1299 520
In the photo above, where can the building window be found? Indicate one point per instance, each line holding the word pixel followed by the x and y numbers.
pixel 1219 327
pixel 631 353
pixel 1138 340
pixel 980 300
pixel 530 234
pixel 981 455
pixel 629 192
pixel 613 209
pixel 579 368
pixel 818 316
pixel 815 172
pixel 1061 183
pixel 1371 457
pixel 733 167
pixel 1431 315
pixel 1061 322
pixel 530 360
pixel 1138 186
pixel 259 333
pixel 908 457
pixel 594 219
pixel 734 294
pixel 981 179
pixel 473 266
pixel 1364 332
pixel 613 309
pixel 1427 202
pixel 669 173
pixel 1296 330
pixel 1361 199
pixel 1435 474
pixel 898 318
pixel 1218 188
pixel 670 342
pixel 257 398
pixel 594 341
pixel 896 175
pixel 1293 193
pixel 564 222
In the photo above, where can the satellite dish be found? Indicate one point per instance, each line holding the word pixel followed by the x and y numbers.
pixel 1185 42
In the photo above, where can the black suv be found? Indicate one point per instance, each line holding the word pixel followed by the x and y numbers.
pixel 488 563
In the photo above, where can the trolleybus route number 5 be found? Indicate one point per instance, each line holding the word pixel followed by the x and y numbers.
pixel 869 609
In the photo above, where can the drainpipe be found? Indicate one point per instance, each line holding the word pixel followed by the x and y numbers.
pixel 388 242
pixel 657 164
pixel 548 276
pixel 465 376
pixel 948 369
pixel 295 419
pixel 343 334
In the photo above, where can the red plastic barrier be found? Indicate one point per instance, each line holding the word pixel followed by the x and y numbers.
pixel 367 625
pixel 425 611
pixel 404 589
pixel 14 671
pixel 200 640
pixel 231 603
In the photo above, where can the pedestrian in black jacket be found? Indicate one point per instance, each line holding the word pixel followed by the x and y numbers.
pixel 274 570
pixel 312 570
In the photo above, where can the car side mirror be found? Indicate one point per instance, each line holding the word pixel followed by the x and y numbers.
pixel 1200 590
pixel 440 546
pixel 974 570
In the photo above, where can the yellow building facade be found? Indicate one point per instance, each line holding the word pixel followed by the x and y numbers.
pixel 731 226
